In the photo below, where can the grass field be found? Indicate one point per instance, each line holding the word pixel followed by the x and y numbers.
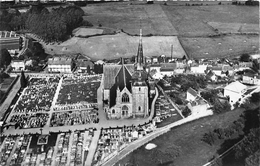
pixel 192 24
pixel 235 27
pixel 187 137
pixel 225 46
pixel 87 32
pixel 128 17
pixel 168 19
pixel 119 45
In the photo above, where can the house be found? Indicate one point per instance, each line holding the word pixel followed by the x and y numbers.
pixel 217 70
pixel 18 65
pixel 84 66
pixel 252 79
pixel 191 94
pixel 148 60
pixel 245 64
pixel 180 67
pixel 234 91
pixel 199 69
pixel 198 106
pixel 167 68
pixel 211 76
pixel 60 65
pixel 154 59
pixel 155 68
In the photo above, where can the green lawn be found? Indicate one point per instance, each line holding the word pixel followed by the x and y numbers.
pixel 187 137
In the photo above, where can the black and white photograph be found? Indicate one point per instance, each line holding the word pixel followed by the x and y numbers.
pixel 129 83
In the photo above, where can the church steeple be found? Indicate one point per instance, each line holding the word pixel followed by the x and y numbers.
pixel 140 56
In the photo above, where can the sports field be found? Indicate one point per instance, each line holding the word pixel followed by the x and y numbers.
pixel 119 45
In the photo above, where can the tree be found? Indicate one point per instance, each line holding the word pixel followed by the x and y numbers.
pixel 255 98
pixel 88 69
pixel 244 58
pixel 5 58
pixel 23 80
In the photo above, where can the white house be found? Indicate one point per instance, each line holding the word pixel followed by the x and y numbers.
pixel 155 68
pixel 200 69
pixel 60 64
pixel 18 65
pixel 251 79
pixel 191 94
pixel 234 91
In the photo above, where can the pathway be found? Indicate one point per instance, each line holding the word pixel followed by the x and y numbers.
pixel 169 99
pixel 69 148
pixel 92 148
pixel 55 98
pixel 53 162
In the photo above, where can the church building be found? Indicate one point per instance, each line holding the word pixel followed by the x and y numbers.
pixel 126 88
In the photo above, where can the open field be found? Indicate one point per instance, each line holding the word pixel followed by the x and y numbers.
pixel 119 45
pixel 235 27
pixel 192 25
pixel 161 19
pixel 128 17
pixel 192 21
pixel 87 32
pixel 233 45
pixel 193 152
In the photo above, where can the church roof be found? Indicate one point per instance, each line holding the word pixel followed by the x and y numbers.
pixel 111 71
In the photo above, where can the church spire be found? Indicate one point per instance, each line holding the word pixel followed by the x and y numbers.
pixel 140 53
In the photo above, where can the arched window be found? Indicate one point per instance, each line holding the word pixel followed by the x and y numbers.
pixel 125 98
pixel 139 108
pixel 113 111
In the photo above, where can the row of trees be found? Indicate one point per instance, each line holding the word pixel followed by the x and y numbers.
pixel 5 58
pixel 187 81
pixel 55 25
pixel 245 129
pixel 50 26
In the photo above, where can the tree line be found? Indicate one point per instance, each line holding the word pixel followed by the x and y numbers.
pixel 54 25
